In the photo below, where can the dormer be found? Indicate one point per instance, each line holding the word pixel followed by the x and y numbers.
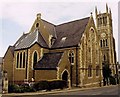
pixel 51 40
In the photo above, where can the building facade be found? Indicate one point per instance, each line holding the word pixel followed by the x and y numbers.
pixel 75 51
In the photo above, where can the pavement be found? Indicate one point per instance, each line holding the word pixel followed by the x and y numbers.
pixel 53 91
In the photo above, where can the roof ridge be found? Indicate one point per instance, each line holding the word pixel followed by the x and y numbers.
pixel 48 22
pixel 72 21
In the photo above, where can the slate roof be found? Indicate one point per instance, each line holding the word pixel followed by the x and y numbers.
pixel 22 37
pixel 49 27
pixel 49 61
pixel 69 34
pixel 30 39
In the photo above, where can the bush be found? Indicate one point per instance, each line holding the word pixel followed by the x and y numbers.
pixel 41 85
pixel 26 88
pixel 13 88
pixel 57 84
pixel 49 85
pixel 112 80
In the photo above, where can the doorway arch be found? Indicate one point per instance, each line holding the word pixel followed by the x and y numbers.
pixel 65 76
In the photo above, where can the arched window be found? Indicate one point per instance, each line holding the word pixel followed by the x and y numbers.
pixel 89 70
pixel 89 49
pixel 106 43
pixel 101 43
pixel 24 60
pixel 35 58
pixel 71 58
pixel 97 70
pixel 21 60
pixel 105 21
pixel 104 57
pixel 37 25
pixel 17 60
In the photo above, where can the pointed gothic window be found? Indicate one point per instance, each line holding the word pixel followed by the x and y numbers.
pixel 89 49
pixel 35 56
pixel 105 21
pixel 89 70
pixel 106 43
pixel 21 60
pixel 101 43
pixel 24 60
pixel 17 60
pixel 71 58
pixel 97 70
pixel 100 21
pixel 104 57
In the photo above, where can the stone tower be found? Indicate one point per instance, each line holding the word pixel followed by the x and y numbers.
pixel 106 39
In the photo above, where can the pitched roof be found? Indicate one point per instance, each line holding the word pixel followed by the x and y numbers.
pixel 22 37
pixel 11 48
pixel 49 61
pixel 49 27
pixel 30 39
pixel 69 34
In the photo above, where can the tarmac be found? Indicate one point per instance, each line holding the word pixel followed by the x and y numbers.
pixel 52 91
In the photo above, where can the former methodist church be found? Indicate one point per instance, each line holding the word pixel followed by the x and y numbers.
pixel 74 51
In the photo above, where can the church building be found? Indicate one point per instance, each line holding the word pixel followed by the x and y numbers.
pixel 75 51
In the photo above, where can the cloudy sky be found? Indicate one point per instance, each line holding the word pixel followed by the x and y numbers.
pixel 17 17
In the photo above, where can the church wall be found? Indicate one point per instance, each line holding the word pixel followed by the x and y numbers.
pixel 8 64
pixel 19 73
pixel 31 51
pixel 65 61
pixel 45 75
pixel 63 65
pixel 93 58
pixel 29 62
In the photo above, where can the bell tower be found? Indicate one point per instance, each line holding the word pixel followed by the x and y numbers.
pixel 106 39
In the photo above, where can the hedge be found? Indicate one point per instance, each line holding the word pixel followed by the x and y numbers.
pixel 41 85
pixel 57 84
pixel 14 88
pixel 50 85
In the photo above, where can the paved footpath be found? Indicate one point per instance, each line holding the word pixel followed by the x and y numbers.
pixel 51 92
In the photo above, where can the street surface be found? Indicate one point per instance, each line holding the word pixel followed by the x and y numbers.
pixel 99 91
pixel 112 91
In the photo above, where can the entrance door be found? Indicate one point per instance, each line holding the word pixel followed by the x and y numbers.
pixel 65 76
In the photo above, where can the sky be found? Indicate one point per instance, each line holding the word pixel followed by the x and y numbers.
pixel 17 17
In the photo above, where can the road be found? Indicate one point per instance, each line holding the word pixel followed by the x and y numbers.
pixel 96 92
